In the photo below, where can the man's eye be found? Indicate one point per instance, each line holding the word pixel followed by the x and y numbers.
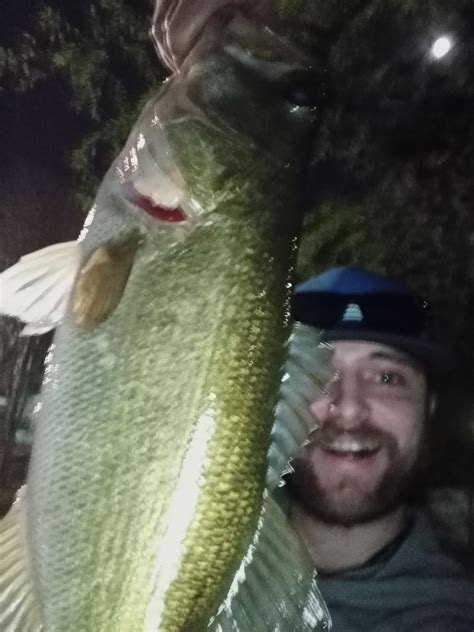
pixel 387 378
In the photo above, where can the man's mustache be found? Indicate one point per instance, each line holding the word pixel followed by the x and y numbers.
pixel 328 433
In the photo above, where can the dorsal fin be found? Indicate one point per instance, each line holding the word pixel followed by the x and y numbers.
pixel 275 587
pixel 307 371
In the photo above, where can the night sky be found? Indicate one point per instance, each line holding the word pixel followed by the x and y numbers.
pixel 38 207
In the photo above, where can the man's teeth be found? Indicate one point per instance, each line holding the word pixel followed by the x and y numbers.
pixel 351 446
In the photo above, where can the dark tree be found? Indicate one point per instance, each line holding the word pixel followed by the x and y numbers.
pixel 390 185
pixel 96 53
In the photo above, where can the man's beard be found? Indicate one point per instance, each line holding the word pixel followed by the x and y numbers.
pixel 401 483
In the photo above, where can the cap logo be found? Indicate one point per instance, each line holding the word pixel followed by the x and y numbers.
pixel 353 313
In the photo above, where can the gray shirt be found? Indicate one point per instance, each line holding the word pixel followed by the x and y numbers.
pixel 411 585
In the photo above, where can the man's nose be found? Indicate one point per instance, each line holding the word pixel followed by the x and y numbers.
pixel 344 402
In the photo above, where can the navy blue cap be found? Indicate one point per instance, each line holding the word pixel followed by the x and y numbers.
pixel 350 303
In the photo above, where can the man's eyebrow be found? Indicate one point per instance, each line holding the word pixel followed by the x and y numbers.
pixel 396 356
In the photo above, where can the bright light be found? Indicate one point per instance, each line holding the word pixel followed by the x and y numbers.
pixel 441 47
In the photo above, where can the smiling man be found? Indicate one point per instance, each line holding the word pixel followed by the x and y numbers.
pixel 353 489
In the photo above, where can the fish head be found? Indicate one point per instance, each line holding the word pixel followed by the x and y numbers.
pixel 232 117
pixel 257 84
pixel 214 146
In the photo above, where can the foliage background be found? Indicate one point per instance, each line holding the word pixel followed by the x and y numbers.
pixel 390 184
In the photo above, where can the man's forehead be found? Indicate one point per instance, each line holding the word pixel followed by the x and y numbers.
pixel 353 351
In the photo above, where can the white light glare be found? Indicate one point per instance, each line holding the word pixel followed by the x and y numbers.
pixel 441 47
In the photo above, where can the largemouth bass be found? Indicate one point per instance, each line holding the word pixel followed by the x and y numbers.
pixel 146 506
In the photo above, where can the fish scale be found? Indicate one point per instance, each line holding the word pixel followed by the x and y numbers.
pixel 129 428
pixel 238 435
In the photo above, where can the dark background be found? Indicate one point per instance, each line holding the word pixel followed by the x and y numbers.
pixel 390 185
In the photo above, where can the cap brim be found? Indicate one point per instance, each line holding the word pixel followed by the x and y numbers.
pixel 432 357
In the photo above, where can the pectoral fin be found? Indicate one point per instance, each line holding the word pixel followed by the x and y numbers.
pixel 37 288
pixel 275 587
pixel 18 610
pixel 101 282
pixel 307 371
